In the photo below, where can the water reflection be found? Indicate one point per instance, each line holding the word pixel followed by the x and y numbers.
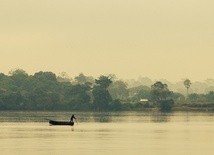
pixel 102 117
pixel 122 133
pixel 160 117
pixel 105 117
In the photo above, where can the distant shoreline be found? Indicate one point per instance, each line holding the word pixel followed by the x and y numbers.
pixel 179 108
pixel 193 109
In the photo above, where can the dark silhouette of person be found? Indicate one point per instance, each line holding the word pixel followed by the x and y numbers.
pixel 72 118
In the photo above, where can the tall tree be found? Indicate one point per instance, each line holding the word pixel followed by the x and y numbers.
pixel 160 91
pixel 162 95
pixel 104 81
pixel 101 95
pixel 187 84
pixel 118 90
pixel 78 96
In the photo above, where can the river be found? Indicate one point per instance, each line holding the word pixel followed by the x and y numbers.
pixel 119 133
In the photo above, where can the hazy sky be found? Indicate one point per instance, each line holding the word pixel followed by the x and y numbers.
pixel 170 39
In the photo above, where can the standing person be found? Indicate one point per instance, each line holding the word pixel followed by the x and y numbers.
pixel 72 118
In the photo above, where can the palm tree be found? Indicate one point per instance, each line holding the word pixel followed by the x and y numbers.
pixel 187 84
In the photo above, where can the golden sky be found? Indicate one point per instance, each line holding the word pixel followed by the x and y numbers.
pixel 170 39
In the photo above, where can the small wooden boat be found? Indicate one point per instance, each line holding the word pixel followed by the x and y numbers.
pixel 51 122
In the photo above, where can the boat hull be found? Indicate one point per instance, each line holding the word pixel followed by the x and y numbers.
pixel 51 122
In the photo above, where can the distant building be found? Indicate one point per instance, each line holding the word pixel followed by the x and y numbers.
pixel 143 100
pixel 145 103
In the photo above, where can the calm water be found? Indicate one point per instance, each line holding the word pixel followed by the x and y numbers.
pixel 122 133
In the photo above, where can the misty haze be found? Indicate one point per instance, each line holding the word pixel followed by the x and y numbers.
pixel 106 77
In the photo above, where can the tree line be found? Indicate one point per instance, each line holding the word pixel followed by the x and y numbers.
pixel 46 91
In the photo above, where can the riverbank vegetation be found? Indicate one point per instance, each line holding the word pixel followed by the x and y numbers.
pixel 46 91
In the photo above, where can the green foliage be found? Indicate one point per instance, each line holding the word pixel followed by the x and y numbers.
pixel 101 98
pixel 160 91
pixel 210 96
pixel 116 105
pixel 162 96
pixel 45 76
pixel 142 94
pixel 42 91
pixel 139 92
pixel 118 90
pixel 166 105
pixel 187 84
pixel 46 91
pixel 194 97
pixel 78 96
pixel 82 79
pixel 103 81
pixel 101 95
